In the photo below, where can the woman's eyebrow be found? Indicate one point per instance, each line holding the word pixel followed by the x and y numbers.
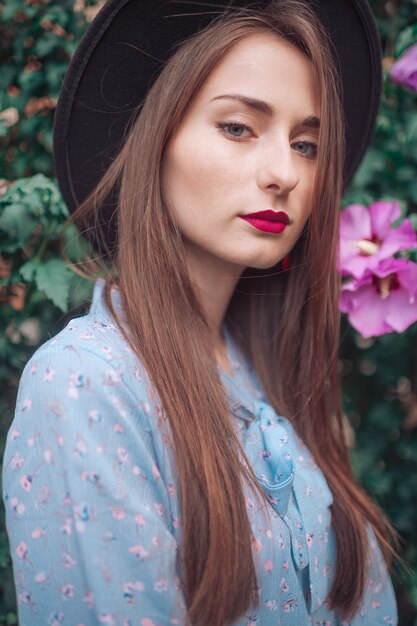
pixel 311 122
pixel 264 107
pixel 253 103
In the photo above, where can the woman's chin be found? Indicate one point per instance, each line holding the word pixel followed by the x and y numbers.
pixel 264 263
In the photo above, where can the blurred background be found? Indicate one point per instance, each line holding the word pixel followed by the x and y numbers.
pixel 38 293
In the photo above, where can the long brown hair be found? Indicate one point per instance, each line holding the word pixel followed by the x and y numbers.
pixel 283 321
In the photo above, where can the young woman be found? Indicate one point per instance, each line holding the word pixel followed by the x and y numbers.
pixel 178 454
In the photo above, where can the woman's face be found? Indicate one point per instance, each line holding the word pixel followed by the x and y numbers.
pixel 246 146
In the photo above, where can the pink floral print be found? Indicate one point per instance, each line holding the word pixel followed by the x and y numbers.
pixel 91 495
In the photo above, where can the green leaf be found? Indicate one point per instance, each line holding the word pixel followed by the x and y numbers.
pixel 371 167
pixel 54 279
pixel 29 81
pixel 75 246
pixel 54 75
pixel 411 129
pixel 38 182
pixel 28 270
pixel 4 130
pixel 406 38
pixel 40 195
pixel 10 9
pixel 16 220
pixel 47 44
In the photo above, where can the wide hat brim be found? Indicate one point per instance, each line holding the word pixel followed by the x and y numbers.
pixel 126 46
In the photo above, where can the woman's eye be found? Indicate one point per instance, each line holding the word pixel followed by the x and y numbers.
pixel 235 130
pixel 306 148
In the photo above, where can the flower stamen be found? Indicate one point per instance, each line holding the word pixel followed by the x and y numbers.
pixel 367 247
pixel 386 285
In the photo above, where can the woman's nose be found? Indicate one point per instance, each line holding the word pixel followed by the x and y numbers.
pixel 278 170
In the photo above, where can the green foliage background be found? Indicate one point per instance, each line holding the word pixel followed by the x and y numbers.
pixel 38 292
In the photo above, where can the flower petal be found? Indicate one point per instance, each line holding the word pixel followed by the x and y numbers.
pixel 355 223
pixel 373 314
pixel 367 312
pixel 383 214
pixel 408 279
pixel 404 71
pixel 355 263
pixel 402 238
pixel 401 311
pixel 392 266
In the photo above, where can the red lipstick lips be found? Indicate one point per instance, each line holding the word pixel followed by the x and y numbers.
pixel 268 221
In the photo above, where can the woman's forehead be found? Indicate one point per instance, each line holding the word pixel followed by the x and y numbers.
pixel 267 68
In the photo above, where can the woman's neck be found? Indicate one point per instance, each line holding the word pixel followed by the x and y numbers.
pixel 214 281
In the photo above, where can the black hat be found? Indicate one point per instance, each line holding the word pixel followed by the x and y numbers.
pixel 126 46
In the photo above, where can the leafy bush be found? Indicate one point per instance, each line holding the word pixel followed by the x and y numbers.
pixel 38 292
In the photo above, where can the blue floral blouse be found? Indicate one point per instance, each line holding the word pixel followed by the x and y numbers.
pixel 92 509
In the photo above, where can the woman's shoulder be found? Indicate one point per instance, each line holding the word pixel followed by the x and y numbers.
pixel 84 393
pixel 90 348
pixel 86 385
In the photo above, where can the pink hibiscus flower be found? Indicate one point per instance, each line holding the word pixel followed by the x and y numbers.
pixel 384 300
pixel 367 236
pixel 404 71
